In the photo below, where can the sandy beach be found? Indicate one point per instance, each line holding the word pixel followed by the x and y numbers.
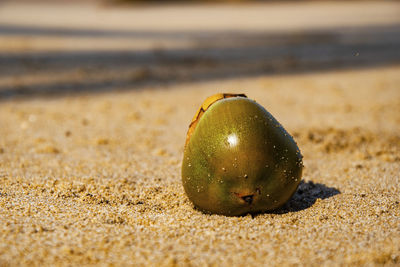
pixel 95 103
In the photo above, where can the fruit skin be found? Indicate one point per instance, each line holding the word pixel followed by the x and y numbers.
pixel 239 159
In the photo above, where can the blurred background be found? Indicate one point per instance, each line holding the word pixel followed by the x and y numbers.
pixel 52 48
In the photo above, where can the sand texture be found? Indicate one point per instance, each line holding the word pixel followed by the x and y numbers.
pixel 91 144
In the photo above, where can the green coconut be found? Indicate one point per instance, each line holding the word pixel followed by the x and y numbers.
pixel 238 158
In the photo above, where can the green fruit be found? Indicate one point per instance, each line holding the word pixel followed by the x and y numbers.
pixel 238 159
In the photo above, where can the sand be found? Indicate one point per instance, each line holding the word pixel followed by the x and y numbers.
pixel 90 176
